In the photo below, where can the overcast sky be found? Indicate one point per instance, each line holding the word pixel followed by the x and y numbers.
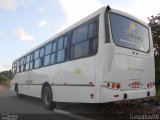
pixel 25 24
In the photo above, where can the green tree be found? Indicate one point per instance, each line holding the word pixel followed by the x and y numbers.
pixel 2 79
pixel 7 74
pixel 154 23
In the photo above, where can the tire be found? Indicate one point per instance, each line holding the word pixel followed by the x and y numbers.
pixel 47 98
pixel 17 92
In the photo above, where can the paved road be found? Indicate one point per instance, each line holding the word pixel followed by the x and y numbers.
pixel 10 104
pixel 30 108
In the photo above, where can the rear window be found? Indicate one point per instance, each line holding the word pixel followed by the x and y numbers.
pixel 129 33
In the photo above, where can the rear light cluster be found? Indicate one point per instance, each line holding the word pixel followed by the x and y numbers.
pixel 113 85
pixel 150 84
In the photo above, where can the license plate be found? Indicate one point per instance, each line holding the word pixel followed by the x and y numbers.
pixel 135 85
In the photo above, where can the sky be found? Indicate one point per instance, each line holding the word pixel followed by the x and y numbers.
pixel 24 24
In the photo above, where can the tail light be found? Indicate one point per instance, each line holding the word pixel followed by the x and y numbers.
pixel 118 85
pixel 112 85
pixel 150 84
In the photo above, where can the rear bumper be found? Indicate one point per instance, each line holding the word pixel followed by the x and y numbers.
pixel 109 95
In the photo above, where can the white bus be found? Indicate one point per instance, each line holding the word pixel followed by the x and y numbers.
pixel 107 56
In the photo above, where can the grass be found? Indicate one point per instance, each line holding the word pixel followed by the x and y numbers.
pixel 6 83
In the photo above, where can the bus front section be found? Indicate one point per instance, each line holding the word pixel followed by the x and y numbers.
pixel 133 72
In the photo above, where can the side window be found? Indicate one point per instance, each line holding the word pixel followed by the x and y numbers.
pixel 60 43
pixel 42 56
pixel 48 48
pixel 37 61
pixel 22 65
pixel 84 41
pixel 93 36
pixel 14 68
pixel 94 45
pixel 32 57
pixel 61 55
pixel 31 62
pixel 17 66
pixel 31 65
pixel 46 60
pixel 62 48
pixel 79 34
pixel 81 49
pixel 27 62
pixel 54 47
pixel 53 55
pixel 42 52
pixel 36 54
pixel 65 41
pixel 80 43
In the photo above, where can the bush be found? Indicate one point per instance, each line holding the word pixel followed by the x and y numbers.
pixel 4 81
pixel 2 78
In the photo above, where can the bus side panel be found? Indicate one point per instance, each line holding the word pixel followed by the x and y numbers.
pixel 64 93
pixel 31 90
pixel 75 80
pixel 86 94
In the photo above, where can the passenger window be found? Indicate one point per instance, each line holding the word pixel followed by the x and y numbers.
pixel 81 49
pixel 46 60
pixel 18 66
pixel 54 47
pixel 36 54
pixel 28 58
pixel 94 45
pixel 42 52
pixel 37 63
pixel 95 30
pixel 52 58
pixel 65 41
pixel 32 57
pixel 22 68
pixel 79 34
pixel 27 66
pixel 61 55
pixel 24 62
pixel 72 52
pixel 14 69
pixel 90 32
pixel 31 65
pixel 84 41
pixel 60 43
pixel 48 49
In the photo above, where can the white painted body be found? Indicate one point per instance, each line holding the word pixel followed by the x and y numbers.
pixel 75 81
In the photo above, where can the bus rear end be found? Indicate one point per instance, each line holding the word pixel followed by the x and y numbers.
pixel 133 59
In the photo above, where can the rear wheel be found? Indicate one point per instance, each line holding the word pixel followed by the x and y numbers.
pixel 17 92
pixel 47 98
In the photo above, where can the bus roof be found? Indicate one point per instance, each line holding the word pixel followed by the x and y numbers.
pixel 96 13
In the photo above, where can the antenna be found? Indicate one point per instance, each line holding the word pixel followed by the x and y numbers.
pixel 108 7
